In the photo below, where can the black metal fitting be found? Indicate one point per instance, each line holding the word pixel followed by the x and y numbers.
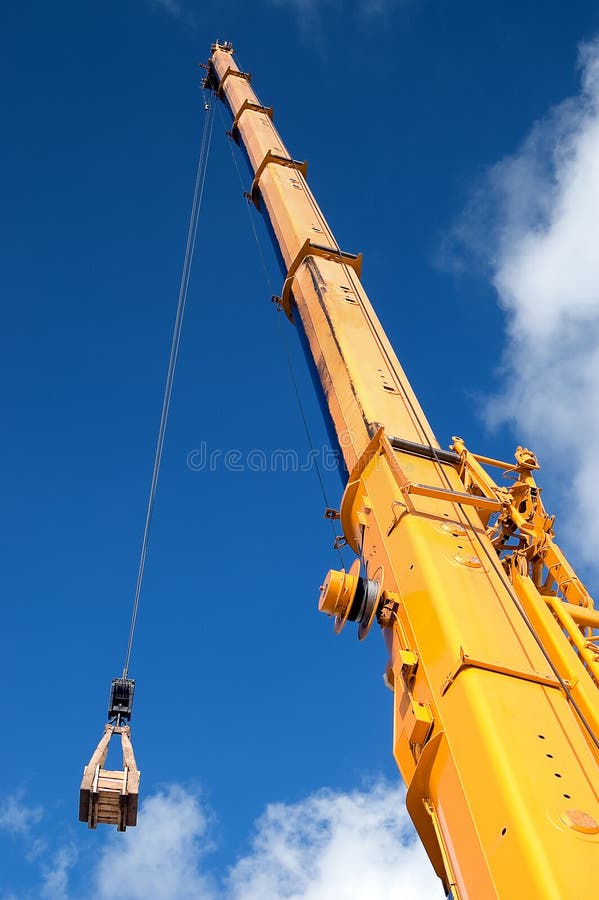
pixel 120 705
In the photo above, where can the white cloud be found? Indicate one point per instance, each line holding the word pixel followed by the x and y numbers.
pixel 381 7
pixel 330 845
pixel 356 846
pixel 16 816
pixel 310 12
pixel 161 857
pixel 186 13
pixel 174 7
pixel 303 6
pixel 55 882
pixel 342 846
pixel 307 10
pixel 537 214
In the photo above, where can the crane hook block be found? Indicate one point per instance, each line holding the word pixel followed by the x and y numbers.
pixel 120 705
pixel 110 797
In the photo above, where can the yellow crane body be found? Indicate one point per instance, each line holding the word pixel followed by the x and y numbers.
pixel 492 639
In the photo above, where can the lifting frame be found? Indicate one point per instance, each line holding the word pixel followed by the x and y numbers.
pixel 110 797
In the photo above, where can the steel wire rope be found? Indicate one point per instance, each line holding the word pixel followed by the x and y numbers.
pixel 287 353
pixel 284 337
pixel 194 219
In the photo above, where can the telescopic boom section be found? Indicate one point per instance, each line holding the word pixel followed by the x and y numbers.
pixel 359 371
pixel 495 698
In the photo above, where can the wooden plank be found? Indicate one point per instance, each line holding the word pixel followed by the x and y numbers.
pixel 84 805
pixel 98 758
pixel 115 800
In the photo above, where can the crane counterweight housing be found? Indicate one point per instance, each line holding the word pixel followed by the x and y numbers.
pixel 492 638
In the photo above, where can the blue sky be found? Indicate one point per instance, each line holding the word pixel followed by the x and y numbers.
pixel 454 145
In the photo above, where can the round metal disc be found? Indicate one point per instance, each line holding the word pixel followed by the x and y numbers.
pixel 340 621
pixel 374 591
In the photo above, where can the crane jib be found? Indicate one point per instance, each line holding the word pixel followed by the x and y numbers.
pixel 493 638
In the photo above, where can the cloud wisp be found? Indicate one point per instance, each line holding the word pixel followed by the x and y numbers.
pixel 161 858
pixel 186 12
pixel 347 846
pixel 311 13
pixel 343 845
pixel 17 816
pixel 55 880
pixel 173 7
pixel 538 212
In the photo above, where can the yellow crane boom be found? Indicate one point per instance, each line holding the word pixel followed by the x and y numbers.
pixel 492 638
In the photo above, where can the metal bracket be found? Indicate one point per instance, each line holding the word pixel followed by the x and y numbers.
pixel 489 504
pixel 231 71
pixel 421 724
pixel 254 107
pixel 428 490
pixel 470 662
pixel 387 611
pixel 422 812
pixel 253 193
pixel 309 249
pixel 425 450
pixel 120 705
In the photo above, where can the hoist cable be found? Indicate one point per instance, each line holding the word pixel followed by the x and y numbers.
pixel 313 451
pixel 172 363
pixel 288 357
